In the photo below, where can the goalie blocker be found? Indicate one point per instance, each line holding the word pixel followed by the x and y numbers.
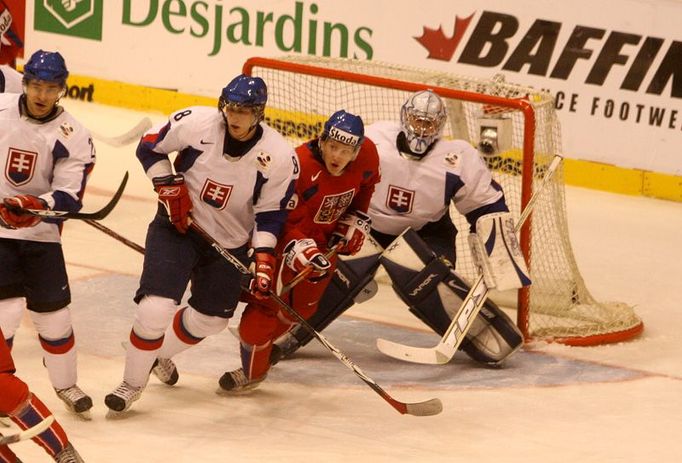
pixel 434 292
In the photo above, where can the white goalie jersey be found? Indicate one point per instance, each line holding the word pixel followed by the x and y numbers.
pixel 233 199
pixel 51 160
pixel 413 193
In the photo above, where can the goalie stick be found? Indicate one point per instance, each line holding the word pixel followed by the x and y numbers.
pixel 462 320
pixel 426 408
pixel 97 215
pixel 28 433
pixel 128 137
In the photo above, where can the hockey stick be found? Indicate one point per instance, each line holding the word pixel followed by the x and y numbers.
pixel 28 433
pixel 128 137
pixel 462 320
pixel 115 235
pixel 97 215
pixel 427 408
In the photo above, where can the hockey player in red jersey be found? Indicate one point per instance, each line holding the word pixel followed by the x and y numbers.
pixel 27 410
pixel 338 173
pixel 11 45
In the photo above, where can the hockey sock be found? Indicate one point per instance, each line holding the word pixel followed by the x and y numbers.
pixel 32 412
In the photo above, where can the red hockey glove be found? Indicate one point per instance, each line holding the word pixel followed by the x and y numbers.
pixel 301 254
pixel 264 264
pixel 351 230
pixel 11 215
pixel 175 198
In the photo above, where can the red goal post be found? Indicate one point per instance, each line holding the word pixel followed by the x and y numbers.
pixel 521 126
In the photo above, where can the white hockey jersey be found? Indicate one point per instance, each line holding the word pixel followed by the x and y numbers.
pixel 413 193
pixel 51 160
pixel 230 197
pixel 10 80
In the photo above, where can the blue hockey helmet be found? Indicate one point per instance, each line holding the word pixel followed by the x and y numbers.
pixel 47 66
pixel 345 128
pixel 245 91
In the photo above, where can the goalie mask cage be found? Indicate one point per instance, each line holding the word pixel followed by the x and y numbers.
pixel 519 127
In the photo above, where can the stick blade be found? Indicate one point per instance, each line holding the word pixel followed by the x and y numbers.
pixel 428 408
pixel 128 137
pixel 423 355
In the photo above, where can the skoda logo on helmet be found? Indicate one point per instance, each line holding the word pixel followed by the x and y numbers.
pixel 343 137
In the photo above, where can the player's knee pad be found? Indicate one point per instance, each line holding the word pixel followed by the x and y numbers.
pixel 153 315
pixel 11 312
pixel 14 393
pixel 353 281
pixel 52 325
pixel 256 326
pixel 201 325
pixel 434 293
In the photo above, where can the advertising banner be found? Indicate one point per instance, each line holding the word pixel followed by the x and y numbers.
pixel 615 68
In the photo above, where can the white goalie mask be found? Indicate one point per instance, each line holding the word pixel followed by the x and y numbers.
pixel 422 117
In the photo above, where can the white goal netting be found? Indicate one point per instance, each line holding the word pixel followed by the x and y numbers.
pixel 518 124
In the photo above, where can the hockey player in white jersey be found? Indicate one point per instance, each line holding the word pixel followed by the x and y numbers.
pixel 421 174
pixel 47 157
pixel 10 45
pixel 235 175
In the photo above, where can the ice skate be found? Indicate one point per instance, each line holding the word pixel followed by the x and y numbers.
pixel 235 382
pixel 284 348
pixel 122 398
pixel 166 371
pixel 68 455
pixel 76 400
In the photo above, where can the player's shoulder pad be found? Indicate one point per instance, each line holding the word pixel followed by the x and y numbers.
pixel 368 157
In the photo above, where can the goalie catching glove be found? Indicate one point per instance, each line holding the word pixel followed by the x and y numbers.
pixel 351 231
pixel 301 254
pixel 174 196
pixel 497 252
pixel 12 216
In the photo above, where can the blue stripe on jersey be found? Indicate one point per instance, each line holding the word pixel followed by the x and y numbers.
pixel 186 158
pixel 59 151
pixel 452 185
pixel 145 150
pixel 271 221
pixel 308 193
pixel 498 206
pixel 287 196
pixel 260 181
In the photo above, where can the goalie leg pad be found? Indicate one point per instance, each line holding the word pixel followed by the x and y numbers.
pixel 434 292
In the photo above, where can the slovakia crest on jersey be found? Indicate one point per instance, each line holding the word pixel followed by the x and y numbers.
pixel 400 199
pixel 215 194
pixel 20 166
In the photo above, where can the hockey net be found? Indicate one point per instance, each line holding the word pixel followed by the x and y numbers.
pixel 518 127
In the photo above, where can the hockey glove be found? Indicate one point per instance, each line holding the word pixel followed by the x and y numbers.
pixel 264 264
pixel 351 231
pixel 301 254
pixel 175 198
pixel 12 216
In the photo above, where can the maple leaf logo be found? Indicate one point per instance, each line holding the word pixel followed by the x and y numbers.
pixel 438 45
